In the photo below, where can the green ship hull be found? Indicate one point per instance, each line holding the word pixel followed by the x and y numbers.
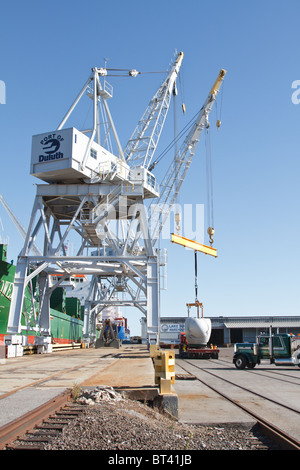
pixel 66 325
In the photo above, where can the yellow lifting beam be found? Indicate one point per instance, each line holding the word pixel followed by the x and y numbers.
pixel 208 250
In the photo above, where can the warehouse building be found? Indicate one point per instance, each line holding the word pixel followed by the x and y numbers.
pixel 227 330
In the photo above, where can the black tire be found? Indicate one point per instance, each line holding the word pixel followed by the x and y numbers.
pixel 251 365
pixel 241 362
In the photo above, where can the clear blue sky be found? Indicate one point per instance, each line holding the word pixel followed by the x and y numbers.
pixel 47 51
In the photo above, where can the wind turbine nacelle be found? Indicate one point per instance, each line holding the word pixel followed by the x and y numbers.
pixel 64 157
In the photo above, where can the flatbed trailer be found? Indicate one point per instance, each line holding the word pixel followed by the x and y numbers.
pixel 192 351
pixel 199 353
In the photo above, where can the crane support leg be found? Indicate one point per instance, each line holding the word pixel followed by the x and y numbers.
pixel 44 320
pixel 14 319
pixel 86 322
pixel 152 300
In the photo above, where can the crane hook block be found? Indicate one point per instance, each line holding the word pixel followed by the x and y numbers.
pixel 211 232
pixel 218 124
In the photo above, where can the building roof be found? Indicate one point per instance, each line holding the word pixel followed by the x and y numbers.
pixel 246 322
pixel 261 322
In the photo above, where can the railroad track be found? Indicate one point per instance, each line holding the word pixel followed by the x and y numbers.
pixel 271 430
pixel 39 426
pixel 266 371
pixel 35 428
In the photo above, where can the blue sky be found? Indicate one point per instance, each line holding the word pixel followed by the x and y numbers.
pixel 47 52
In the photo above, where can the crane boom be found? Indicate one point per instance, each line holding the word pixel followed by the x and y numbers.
pixel 175 175
pixel 143 142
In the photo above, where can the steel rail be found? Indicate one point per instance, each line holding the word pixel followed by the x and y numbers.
pixel 246 389
pixel 277 435
pixel 265 368
pixel 13 430
pixel 20 426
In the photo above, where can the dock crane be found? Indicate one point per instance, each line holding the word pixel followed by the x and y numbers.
pixel 161 207
pixel 85 193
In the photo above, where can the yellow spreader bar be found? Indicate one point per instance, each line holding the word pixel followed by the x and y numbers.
pixel 208 250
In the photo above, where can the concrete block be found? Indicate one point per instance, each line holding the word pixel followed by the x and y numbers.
pixel 19 350
pixel 44 348
pixel 42 340
pixel 141 394
pixel 165 386
pixel 167 403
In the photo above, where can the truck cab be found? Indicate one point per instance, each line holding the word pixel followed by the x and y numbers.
pixel 280 349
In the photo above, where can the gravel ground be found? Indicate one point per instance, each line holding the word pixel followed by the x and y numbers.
pixel 111 422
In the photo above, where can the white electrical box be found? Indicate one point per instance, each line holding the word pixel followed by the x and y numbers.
pixel 62 157
pixel 10 350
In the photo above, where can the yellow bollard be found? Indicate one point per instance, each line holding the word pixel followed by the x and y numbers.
pixel 164 369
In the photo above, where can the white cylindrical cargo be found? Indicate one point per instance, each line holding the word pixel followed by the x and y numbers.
pixel 198 331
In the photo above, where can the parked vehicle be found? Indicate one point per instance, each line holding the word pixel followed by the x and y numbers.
pixel 281 349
